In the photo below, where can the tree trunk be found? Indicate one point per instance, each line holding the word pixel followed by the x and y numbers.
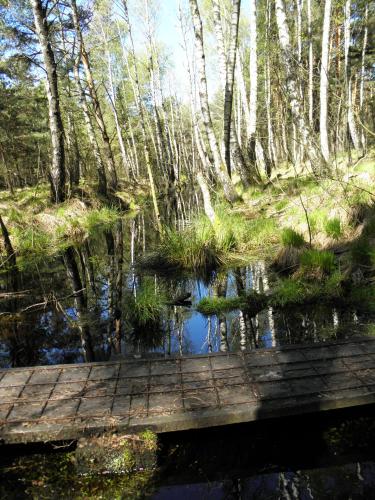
pixel 229 82
pixel 80 302
pixel 112 99
pixel 102 179
pixel 223 177
pixel 362 78
pixel 352 128
pixel 253 70
pixel 137 96
pixel 95 100
pixel 312 152
pixel 311 66
pixel 57 170
pixel 324 81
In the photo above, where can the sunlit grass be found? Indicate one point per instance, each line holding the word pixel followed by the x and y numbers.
pixel 292 238
pixel 333 228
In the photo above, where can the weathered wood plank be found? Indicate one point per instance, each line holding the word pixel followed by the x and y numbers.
pixel 68 401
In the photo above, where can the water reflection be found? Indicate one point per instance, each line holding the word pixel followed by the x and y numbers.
pixel 80 306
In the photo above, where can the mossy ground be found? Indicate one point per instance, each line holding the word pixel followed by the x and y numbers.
pixel 38 228
pixel 297 214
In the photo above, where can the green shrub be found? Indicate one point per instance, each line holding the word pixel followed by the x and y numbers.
pixel 333 228
pixel 320 261
pixel 251 302
pixel 291 238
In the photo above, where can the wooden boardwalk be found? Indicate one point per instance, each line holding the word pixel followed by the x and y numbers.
pixel 67 401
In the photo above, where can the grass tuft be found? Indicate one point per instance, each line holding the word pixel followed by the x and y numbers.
pixel 291 238
pixel 315 263
pixel 333 228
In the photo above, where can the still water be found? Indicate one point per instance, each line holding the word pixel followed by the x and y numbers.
pixel 79 305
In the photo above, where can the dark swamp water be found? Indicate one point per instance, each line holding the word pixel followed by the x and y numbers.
pixel 43 323
pixel 329 456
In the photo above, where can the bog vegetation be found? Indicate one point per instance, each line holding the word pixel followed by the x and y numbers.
pixel 261 145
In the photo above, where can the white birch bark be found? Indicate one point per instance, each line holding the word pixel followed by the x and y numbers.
pixel 311 65
pixel 253 70
pixel 223 177
pixel 350 116
pixel 102 180
pixel 313 154
pixel 324 82
pixel 57 169
pixel 362 77
pixel 112 99
pixel 98 114
pixel 137 96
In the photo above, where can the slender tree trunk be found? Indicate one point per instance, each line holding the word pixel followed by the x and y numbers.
pixel 229 82
pixel 231 149
pixel 324 82
pixel 102 179
pixel 137 96
pixel 311 66
pixel 224 179
pixel 11 254
pixel 80 302
pixel 362 78
pixel 95 100
pixel 352 128
pixel 208 209
pixel 57 170
pixel 253 70
pixel 73 152
pixel 313 154
pixel 112 99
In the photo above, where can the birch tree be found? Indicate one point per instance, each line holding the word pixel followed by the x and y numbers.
pixel 57 169
pixel 324 82
pixel 223 176
pixel 362 76
pixel 294 98
pixel 98 114
pixel 229 81
pixel 348 77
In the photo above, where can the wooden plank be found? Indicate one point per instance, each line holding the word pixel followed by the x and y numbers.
pixel 68 401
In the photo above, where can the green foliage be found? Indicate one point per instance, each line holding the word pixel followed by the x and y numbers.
pixel 150 440
pixel 148 304
pixel 262 231
pixel 193 248
pixel 291 291
pixel 363 298
pixel 320 261
pixel 291 238
pixel 251 302
pixel 333 228
pixel 280 205
pixel 218 305
pixel 288 291
pixel 32 240
pixel 317 219
pixel 101 216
